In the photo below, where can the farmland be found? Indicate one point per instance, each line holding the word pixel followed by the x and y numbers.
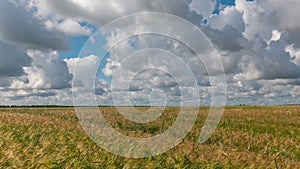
pixel 247 137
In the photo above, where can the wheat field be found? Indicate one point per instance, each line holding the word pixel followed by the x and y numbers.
pixel 247 137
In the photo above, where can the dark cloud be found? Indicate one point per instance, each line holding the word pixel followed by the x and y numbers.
pixel 18 25
pixel 12 60
pixel 229 38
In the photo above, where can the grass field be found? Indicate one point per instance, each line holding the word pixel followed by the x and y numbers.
pixel 247 137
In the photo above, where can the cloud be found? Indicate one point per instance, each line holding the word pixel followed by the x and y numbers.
pixel 106 11
pixel 83 70
pixel 228 16
pixel 254 41
pixel 294 53
pixel 285 12
pixel 258 41
pixel 203 8
pixel 21 94
pixel 13 59
pixel 243 35
pixel 68 27
pixel 18 25
pixel 47 71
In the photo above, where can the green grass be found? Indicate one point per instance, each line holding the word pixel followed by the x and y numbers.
pixel 247 137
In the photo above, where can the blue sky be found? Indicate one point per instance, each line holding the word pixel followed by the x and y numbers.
pixel 76 45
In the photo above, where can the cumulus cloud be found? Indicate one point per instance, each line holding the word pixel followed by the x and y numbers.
pixel 244 35
pixel 68 27
pixel 228 16
pixel 258 41
pixel 83 70
pixel 18 25
pixel 250 40
pixel 202 7
pixel 47 71
pixel 252 35
pixel 106 11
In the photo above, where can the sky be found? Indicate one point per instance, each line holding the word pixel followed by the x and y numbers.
pixel 50 52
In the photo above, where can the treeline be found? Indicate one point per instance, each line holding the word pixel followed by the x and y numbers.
pixel 32 106
pixel 43 106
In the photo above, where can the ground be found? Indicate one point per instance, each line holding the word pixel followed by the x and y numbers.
pixel 247 137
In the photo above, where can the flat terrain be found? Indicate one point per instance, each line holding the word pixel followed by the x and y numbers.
pixel 247 137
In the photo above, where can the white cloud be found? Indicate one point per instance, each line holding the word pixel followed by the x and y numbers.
pixel 276 35
pixel 229 16
pixel 106 11
pixel 84 70
pixel 294 53
pixel 258 42
pixel 68 27
pixel 47 71
pixel 202 7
